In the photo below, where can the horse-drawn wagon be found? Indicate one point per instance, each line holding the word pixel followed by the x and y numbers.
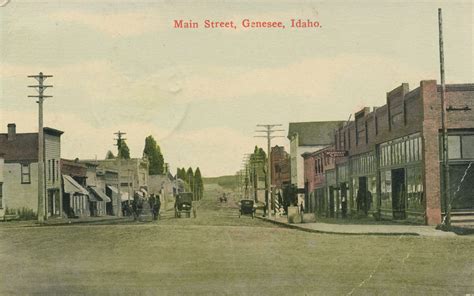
pixel 184 204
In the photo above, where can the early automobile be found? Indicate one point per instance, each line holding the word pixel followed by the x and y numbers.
pixel 247 207
pixel 184 204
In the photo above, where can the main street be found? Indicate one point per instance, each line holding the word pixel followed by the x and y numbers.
pixel 219 253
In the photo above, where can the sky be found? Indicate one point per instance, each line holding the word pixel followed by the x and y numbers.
pixel 121 65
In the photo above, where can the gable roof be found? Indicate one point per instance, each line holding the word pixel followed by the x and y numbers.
pixel 314 133
pixel 24 146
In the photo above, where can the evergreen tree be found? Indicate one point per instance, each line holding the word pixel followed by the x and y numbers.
pixel 123 150
pixel 181 173
pixel 155 158
pixel 190 179
pixel 110 155
pixel 199 185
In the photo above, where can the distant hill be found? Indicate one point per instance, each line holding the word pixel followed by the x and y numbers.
pixel 228 182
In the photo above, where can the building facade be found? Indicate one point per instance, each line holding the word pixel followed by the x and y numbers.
pixel 392 163
pixel 2 165
pixel 75 194
pixel 20 171
pixel 307 137
pixel 281 171
pixel 132 173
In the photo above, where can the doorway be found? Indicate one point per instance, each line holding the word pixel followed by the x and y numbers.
pixel 331 201
pixel 398 194
pixel 362 196
pixel 343 200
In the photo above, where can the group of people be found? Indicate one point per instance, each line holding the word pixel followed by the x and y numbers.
pixel 223 198
pixel 135 208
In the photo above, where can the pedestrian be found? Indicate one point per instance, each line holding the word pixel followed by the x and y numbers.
pixel 152 202
pixel 359 200
pixel 157 207
pixel 302 211
pixel 344 206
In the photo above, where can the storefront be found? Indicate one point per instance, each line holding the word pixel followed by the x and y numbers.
pixel 461 171
pixel 343 186
pixel 401 179
pixel 75 198
pixel 331 193
pixel 363 184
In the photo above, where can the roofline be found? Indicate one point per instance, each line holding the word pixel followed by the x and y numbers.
pixel 53 131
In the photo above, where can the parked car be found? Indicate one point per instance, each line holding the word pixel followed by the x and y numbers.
pixel 247 207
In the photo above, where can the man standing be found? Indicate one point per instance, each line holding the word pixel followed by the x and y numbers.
pixel 152 202
pixel 156 208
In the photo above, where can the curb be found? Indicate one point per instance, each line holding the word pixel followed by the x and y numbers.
pixel 72 222
pixel 291 226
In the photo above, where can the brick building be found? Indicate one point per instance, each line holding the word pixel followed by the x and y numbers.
pixel 280 161
pixel 320 181
pixel 392 168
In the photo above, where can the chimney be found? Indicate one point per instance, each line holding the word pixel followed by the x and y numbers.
pixel 11 131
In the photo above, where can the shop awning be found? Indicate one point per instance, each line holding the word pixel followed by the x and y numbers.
pixel 72 187
pixel 99 194
pixel 113 189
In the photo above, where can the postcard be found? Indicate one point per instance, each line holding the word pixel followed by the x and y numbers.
pixel 236 147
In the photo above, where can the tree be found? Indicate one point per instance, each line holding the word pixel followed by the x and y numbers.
pixel 155 158
pixel 123 150
pixel 181 174
pixel 199 185
pixel 110 155
pixel 190 179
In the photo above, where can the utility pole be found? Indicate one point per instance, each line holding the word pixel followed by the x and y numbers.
pixel 40 87
pixel 446 193
pixel 119 140
pixel 269 129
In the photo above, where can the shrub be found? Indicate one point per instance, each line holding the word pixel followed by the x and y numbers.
pixel 23 213
pixel 27 214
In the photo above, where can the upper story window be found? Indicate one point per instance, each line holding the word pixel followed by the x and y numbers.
pixel 366 133
pixel 25 173
pixel 54 171
pixel 461 147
